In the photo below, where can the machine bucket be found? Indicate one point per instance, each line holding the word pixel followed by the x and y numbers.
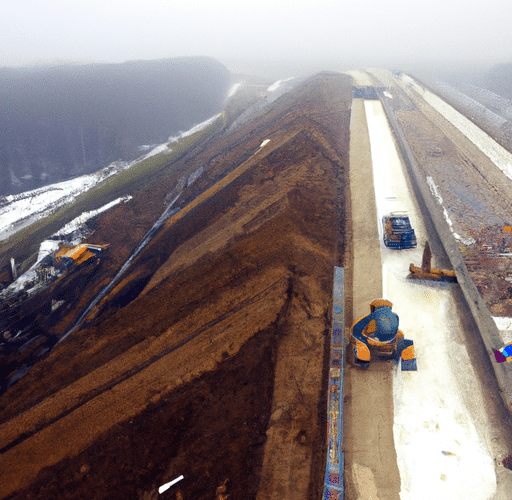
pixel 409 365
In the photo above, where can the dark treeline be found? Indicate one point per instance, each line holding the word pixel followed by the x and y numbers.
pixel 64 121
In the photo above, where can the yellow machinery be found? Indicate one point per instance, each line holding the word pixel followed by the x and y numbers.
pixel 377 333
pixel 425 272
pixel 79 254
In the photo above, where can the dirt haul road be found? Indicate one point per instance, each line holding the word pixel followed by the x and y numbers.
pixel 370 458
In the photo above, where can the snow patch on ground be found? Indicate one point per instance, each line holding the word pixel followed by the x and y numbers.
pixel 21 210
pixel 162 148
pixel 85 216
pixel 195 128
pixel 234 89
pixel 277 84
pixel 435 192
pixel 504 325
pixel 274 92
pixel 165 147
pixel 47 247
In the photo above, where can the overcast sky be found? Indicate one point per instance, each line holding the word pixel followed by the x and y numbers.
pixel 349 32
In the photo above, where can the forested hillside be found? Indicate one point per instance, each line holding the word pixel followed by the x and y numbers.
pixel 59 122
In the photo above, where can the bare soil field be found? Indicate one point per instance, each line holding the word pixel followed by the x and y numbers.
pixel 209 358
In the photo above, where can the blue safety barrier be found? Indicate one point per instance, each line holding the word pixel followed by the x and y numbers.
pixel 333 486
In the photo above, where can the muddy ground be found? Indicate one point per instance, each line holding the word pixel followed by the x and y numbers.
pixel 208 359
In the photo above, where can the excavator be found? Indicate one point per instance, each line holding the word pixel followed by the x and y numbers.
pixel 377 333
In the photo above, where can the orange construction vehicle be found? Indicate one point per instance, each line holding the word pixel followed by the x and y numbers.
pixel 377 333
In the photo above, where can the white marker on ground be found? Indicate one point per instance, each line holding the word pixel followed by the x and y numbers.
pixel 166 486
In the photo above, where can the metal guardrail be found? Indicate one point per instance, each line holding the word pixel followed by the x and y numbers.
pixel 333 485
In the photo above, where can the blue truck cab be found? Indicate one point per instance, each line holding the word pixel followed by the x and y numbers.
pixel 398 232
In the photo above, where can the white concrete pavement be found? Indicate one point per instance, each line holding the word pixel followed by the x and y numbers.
pixel 441 429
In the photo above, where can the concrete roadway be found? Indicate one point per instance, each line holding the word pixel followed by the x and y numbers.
pixel 410 435
pixel 371 469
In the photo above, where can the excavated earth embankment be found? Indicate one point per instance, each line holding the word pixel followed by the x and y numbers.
pixel 209 356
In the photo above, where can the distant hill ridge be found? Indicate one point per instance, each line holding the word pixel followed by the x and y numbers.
pixel 498 79
pixel 60 122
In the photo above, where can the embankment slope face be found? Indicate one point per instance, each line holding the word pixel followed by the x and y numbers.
pixel 208 359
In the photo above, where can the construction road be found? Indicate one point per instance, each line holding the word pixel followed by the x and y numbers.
pixel 412 435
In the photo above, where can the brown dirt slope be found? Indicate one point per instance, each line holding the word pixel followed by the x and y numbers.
pixel 208 359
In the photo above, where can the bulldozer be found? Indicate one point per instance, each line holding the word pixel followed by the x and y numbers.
pixel 426 272
pixel 377 334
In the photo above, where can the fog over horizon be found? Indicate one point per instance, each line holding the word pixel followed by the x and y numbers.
pixel 258 34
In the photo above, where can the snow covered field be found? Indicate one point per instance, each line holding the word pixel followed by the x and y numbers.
pixel 441 429
pixel 21 210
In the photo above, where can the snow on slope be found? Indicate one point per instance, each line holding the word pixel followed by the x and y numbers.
pixel 70 233
pixel 278 84
pixel 194 129
pixel 21 210
pixel 165 148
